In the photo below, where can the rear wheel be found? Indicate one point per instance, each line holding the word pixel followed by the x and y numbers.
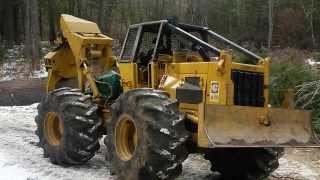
pixel 68 126
pixel 244 163
pixel 146 136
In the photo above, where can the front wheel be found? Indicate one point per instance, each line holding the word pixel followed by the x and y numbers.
pixel 146 136
pixel 68 126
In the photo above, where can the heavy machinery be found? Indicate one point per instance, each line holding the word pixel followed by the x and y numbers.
pixel 171 92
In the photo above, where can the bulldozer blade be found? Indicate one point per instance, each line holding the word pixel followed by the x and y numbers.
pixel 239 126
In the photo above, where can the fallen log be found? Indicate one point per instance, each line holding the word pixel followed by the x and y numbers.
pixel 22 92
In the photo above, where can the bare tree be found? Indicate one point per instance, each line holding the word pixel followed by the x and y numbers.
pixel 52 20
pixel 270 17
pixel 309 12
pixel 239 14
pixel 105 9
pixel 8 23
pixel 32 33
pixel 27 32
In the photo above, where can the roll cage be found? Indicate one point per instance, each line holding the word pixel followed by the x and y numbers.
pixel 145 41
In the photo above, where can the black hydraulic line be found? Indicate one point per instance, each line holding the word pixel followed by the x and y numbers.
pixel 234 45
pixel 194 39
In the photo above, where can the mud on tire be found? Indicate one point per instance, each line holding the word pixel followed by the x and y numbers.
pixel 161 136
pixel 244 163
pixel 80 124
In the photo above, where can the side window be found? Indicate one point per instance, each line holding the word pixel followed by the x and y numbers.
pixel 179 42
pixel 147 43
pixel 146 46
pixel 128 49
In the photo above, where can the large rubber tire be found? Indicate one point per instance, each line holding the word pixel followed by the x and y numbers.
pixel 244 163
pixel 161 136
pixel 80 125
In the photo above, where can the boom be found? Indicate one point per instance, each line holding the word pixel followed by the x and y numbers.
pixel 80 42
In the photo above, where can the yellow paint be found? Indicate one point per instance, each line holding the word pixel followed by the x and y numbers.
pixel 241 126
pixel 154 75
pixel 82 41
pixel 215 72
pixel 169 84
pixel 129 75
pixel 53 129
pixel 126 136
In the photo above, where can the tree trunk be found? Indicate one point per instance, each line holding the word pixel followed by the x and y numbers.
pixel 52 20
pixel 312 25
pixel 27 31
pixel 309 16
pixel 71 6
pixel 239 16
pixel 8 27
pixel 77 11
pixel 101 17
pixel 108 14
pixel 22 92
pixel 271 5
pixel 15 23
pixel 35 32
pixel 32 33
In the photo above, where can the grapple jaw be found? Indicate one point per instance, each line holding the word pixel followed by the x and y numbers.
pixel 240 126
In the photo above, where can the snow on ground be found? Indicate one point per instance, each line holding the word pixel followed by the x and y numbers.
pixel 312 62
pixel 13 64
pixel 300 164
pixel 302 171
pixel 22 159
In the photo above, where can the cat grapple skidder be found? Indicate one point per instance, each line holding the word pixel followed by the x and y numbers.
pixel 171 92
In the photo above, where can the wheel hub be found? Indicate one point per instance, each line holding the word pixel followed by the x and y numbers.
pixel 53 128
pixel 126 138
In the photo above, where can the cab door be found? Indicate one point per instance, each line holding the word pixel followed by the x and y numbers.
pixel 127 66
pixel 137 63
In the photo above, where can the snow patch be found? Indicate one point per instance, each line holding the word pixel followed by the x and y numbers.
pixel 22 159
pixel 167 154
pixel 175 145
pixel 165 131
pixel 296 170
pixel 176 121
pixel 15 66
pixel 182 139
pixel 9 170
pixel 312 62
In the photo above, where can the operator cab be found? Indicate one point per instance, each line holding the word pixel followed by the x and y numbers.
pixel 157 43
pixel 147 41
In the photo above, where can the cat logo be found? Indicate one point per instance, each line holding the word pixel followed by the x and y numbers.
pixel 214 92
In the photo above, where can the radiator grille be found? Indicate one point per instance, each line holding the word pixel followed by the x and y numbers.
pixel 248 88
